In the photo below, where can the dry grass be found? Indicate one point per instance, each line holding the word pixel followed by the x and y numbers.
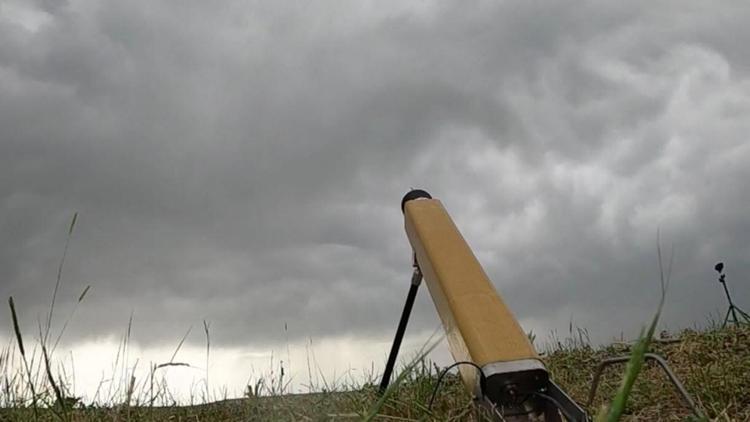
pixel 714 365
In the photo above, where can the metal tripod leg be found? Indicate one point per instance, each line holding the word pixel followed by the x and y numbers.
pixel 744 315
pixel 726 318
pixel 662 363
pixel 734 311
pixel 416 279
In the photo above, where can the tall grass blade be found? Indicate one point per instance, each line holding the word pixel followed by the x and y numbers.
pixel 180 344
pixel 206 325
pixel 17 330
pixel 19 339
pixel 83 294
pixel 55 388
pixel 59 275
pixel 70 317
pixel 637 356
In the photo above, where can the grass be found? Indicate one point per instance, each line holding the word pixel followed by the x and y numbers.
pixel 714 365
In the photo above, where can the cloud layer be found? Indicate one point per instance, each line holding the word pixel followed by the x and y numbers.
pixel 245 164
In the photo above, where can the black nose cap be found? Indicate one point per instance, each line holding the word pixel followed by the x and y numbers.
pixel 414 194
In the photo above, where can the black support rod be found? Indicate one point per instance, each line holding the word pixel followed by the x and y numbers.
pixel 416 279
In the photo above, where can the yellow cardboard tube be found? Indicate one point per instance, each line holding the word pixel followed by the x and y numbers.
pixel 478 324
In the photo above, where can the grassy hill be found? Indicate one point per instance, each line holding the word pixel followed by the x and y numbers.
pixel 714 366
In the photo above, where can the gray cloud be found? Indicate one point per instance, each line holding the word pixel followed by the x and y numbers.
pixel 245 164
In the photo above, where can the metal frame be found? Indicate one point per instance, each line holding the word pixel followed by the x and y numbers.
pixel 647 356
pixel 733 309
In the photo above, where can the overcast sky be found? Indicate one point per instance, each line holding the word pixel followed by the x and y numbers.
pixel 243 162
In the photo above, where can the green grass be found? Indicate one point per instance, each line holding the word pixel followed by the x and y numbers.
pixel 714 366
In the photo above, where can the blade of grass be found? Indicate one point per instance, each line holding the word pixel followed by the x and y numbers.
pixel 59 275
pixel 180 344
pixel 62 414
pixel 83 294
pixel 637 356
pixel 206 326
pixel 19 340
pixel 70 317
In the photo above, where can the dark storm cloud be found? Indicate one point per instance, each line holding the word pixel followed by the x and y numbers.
pixel 244 164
